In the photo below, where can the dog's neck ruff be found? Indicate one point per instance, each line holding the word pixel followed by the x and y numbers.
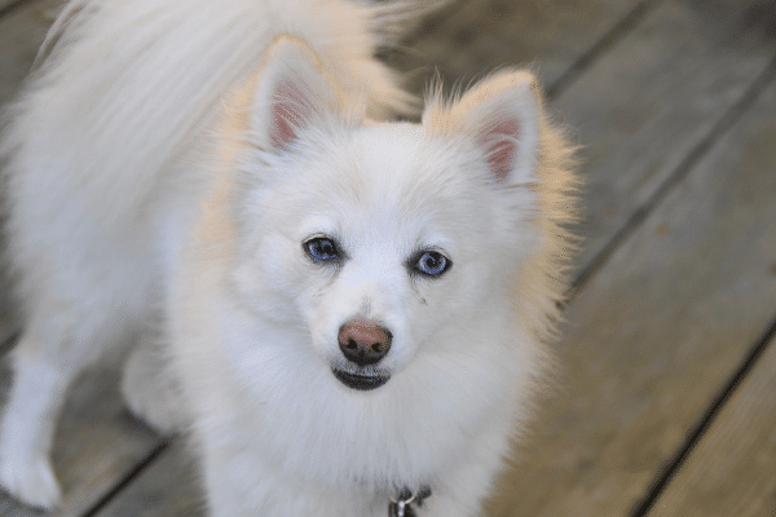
pixel 402 504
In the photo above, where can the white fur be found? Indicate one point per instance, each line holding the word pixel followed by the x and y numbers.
pixel 141 186
pixel 254 323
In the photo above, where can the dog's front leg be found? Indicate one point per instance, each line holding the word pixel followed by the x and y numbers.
pixel 28 423
pixel 461 490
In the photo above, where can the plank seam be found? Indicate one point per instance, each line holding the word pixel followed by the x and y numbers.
pixel 12 7
pixel 127 479
pixel 607 41
pixel 700 429
pixel 640 214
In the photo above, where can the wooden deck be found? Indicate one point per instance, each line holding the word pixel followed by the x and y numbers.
pixel 666 404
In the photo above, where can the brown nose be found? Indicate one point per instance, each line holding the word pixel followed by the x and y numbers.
pixel 364 342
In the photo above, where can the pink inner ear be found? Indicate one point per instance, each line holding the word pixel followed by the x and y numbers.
pixel 502 146
pixel 290 109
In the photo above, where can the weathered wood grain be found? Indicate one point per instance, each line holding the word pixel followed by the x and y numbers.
pixel 167 488
pixel 641 109
pixel 97 443
pixel 732 472
pixel 21 33
pixel 5 4
pixel 655 335
pixel 547 35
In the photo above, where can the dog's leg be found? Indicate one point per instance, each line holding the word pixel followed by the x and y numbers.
pixel 60 340
pixel 29 419
pixel 148 386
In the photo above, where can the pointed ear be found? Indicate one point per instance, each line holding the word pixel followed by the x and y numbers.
pixel 292 91
pixel 502 115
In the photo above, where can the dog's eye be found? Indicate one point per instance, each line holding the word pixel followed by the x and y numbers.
pixel 322 249
pixel 431 263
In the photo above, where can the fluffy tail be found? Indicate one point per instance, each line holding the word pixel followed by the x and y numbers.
pixel 120 85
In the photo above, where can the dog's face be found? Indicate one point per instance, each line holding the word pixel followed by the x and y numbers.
pixel 378 241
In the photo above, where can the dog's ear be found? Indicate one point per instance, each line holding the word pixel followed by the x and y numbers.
pixel 292 91
pixel 502 114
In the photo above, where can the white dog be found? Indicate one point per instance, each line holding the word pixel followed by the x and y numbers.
pixel 353 309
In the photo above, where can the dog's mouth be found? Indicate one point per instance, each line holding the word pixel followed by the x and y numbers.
pixel 363 382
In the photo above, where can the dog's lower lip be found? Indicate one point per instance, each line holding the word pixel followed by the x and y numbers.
pixel 360 382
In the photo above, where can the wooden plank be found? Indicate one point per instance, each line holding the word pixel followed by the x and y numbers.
pixel 638 123
pixel 21 33
pixel 166 489
pixel 656 334
pixel 96 442
pixel 640 110
pixel 549 35
pixel 732 472
pixel 5 4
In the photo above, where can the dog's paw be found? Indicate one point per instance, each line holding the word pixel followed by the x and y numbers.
pixel 151 392
pixel 30 479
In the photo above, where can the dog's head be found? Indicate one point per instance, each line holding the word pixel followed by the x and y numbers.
pixel 384 242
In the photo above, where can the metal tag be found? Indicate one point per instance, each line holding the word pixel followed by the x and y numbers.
pixel 402 506
pixel 400 509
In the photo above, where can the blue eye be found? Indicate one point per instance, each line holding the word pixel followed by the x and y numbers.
pixel 431 263
pixel 322 249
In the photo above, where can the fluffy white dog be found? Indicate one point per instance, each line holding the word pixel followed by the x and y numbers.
pixel 346 314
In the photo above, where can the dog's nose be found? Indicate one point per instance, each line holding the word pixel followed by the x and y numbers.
pixel 364 342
